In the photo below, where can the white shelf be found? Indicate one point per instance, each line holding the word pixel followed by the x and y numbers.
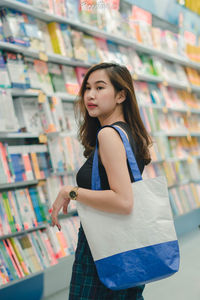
pixel 34 93
pixel 162 133
pixel 146 77
pixel 22 232
pixel 15 185
pixel 169 159
pixel 18 135
pixel 95 32
pixel 187 181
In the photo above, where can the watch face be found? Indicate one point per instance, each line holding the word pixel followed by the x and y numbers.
pixel 72 194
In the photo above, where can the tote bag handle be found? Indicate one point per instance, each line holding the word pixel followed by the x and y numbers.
pixel 96 182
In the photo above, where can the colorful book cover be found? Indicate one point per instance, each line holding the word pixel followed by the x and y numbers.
pixel 57 40
pixel 17 70
pixel 12 23
pixel 13 258
pixel 57 78
pixel 49 248
pixel 8 211
pixel 80 73
pixel 80 52
pixel 4 218
pixel 4 78
pixel 19 256
pixel 9 261
pixel 70 79
pixel 15 211
pixel 18 166
pixel 102 48
pixel 66 34
pixel 89 42
pixel 42 248
pixel 36 206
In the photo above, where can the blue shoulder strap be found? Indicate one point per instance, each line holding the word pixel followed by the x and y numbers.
pixel 96 182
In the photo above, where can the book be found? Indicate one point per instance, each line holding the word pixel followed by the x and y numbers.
pixel 13 23
pixel 14 210
pixel 43 78
pixel 9 261
pixel 27 114
pixel 72 10
pixel 66 34
pixel 19 256
pixel 80 51
pixel 57 40
pixel 7 112
pixel 17 70
pixel 4 78
pixel 70 79
pixel 13 258
pixel 57 78
pixel 102 49
pixel 5 226
pixel 80 73
pixel 57 114
pixel 29 253
pixel 34 35
pixel 90 44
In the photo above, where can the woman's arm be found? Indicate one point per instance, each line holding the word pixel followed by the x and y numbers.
pixel 119 199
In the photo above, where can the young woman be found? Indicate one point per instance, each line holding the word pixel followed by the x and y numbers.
pixel 106 97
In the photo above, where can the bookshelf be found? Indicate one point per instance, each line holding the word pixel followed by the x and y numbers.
pixel 59 274
pixel 59 59
pixel 95 32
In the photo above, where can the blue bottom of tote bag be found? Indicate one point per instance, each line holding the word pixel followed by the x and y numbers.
pixel 139 266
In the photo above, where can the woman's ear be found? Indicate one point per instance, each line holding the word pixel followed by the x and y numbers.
pixel 121 96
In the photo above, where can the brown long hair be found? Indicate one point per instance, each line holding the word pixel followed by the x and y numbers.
pixel 121 79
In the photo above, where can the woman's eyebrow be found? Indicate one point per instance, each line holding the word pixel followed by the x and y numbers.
pixel 100 81
pixel 97 82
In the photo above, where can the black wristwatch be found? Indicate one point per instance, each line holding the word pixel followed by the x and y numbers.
pixel 73 194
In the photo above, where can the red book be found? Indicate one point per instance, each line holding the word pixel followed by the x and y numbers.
pixel 80 74
pixel 13 259
pixel 5 163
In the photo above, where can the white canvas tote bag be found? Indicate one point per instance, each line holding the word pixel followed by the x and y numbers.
pixel 131 250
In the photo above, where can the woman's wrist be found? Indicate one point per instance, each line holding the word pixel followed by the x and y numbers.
pixel 73 193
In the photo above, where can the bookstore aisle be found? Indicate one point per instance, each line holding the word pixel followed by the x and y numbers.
pixel 46 47
pixel 185 285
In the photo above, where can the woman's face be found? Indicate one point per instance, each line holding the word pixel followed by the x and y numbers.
pixel 100 97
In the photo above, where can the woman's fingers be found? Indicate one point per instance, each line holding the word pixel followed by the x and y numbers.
pixel 54 215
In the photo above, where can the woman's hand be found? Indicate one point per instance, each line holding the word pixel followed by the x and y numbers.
pixel 62 201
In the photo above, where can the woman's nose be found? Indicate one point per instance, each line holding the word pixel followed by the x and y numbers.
pixel 91 94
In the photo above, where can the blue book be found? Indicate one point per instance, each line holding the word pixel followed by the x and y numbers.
pixel 114 52
pixel 18 167
pixel 36 206
pixel 5 265
pixel 35 245
pixel 43 163
pixel 8 260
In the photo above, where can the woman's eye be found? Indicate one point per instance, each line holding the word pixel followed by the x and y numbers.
pixel 87 88
pixel 99 88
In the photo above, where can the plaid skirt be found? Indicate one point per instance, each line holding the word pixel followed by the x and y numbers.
pixel 85 283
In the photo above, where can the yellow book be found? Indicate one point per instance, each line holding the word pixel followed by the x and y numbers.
pixel 35 165
pixel 56 38
pixel 19 257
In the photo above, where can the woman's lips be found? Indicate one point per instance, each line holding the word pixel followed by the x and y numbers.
pixel 92 106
